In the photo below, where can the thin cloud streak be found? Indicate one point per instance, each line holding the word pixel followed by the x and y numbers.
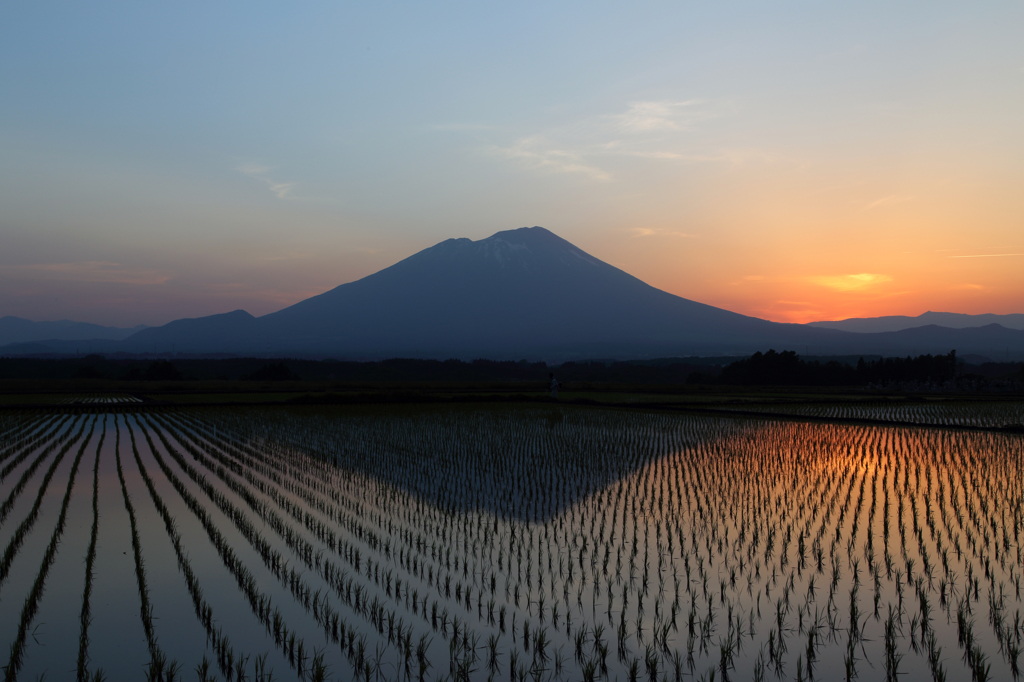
pixel 989 255
pixel 85 271
pixel 888 201
pixel 657 232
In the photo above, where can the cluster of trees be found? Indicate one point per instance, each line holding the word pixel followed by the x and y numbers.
pixel 787 369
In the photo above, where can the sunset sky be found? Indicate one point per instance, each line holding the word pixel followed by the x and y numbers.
pixel 793 161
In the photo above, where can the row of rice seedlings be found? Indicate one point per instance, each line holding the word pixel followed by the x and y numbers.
pixel 103 399
pixel 68 438
pixel 64 434
pixel 990 414
pixel 292 646
pixel 18 538
pixel 159 668
pixel 334 626
pixel 231 664
pixel 373 612
pixel 11 426
pixel 19 427
pixel 85 617
pixel 29 435
pixel 28 612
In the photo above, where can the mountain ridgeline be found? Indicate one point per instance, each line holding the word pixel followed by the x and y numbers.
pixel 524 293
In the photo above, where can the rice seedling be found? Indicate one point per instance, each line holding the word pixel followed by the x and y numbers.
pixel 85 617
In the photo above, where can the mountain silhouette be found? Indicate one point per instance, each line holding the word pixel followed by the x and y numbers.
pixel 19 330
pixel 524 293
pixel 895 323
pixel 518 293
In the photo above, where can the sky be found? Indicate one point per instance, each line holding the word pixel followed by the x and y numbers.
pixel 795 161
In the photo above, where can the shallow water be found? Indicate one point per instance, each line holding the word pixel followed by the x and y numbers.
pixel 529 543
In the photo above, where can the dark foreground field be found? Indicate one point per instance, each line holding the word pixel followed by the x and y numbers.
pixel 482 533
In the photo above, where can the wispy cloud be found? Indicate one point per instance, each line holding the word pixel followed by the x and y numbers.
pixel 538 153
pixel 656 116
pixel 859 282
pixel 282 190
pixel 658 232
pixel 86 271
pixel 649 129
pixel 888 201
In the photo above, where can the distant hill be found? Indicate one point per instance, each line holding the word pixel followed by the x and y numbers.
pixel 227 332
pixel 895 323
pixel 16 330
pixel 992 342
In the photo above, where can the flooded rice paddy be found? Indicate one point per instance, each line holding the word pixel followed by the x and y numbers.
pixel 538 543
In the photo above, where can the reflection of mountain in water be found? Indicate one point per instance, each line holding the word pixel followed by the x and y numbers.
pixel 527 465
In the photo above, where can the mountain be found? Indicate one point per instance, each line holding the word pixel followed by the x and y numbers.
pixel 18 330
pixel 895 323
pixel 519 293
pixel 523 293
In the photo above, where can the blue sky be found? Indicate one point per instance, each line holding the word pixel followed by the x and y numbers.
pixel 790 160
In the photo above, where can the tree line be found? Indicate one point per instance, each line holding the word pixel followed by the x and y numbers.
pixel 772 368
pixel 788 369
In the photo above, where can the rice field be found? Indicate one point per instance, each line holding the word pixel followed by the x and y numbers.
pixel 101 400
pixel 975 414
pixel 505 543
